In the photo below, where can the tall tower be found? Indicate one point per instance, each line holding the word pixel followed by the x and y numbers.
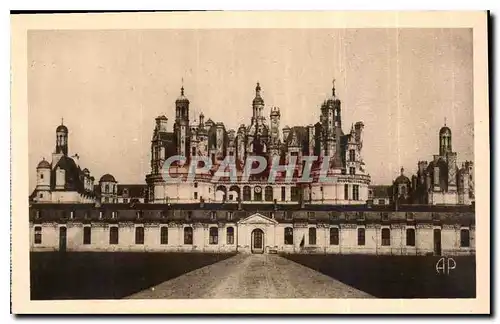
pixel 330 111
pixel 275 131
pixel 182 123
pixel 257 105
pixel 62 139
pixel 444 140
pixel 158 145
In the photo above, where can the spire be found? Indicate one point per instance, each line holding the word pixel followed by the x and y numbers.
pixel 257 89
pixel 402 171
pixel 62 120
pixel 182 86
pixel 444 121
pixel 333 88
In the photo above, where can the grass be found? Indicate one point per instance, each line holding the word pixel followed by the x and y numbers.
pixel 112 275
pixel 396 276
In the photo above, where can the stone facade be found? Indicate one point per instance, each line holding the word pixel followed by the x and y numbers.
pixel 248 229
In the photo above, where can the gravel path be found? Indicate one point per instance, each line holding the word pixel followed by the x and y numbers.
pixel 252 276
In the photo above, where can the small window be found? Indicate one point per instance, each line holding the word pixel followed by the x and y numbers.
pixel 283 193
pixel 288 215
pixel 113 235
pixel 125 200
pixel 410 216
pixel 334 236
pixel 113 214
pixel 139 235
pixel 100 214
pixel 188 235
pixel 196 184
pixel 385 216
pixel 213 215
pixel 164 235
pixel 333 216
pixel 288 236
pixel 86 215
pixel 360 215
pixel 352 171
pixel 312 236
pixel 352 155
pixel 41 176
pixel 213 235
pixel 310 215
pixel 381 201
pixel 464 238
pixel 139 214
pixel 294 193
pixel 229 215
pixel 196 196
pixel 38 235
pixel 189 215
pixel 410 237
pixel 230 235
pixel 361 236
pixel 386 237
pixel 87 235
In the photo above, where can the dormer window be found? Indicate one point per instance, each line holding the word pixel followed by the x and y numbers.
pixel 229 215
pixel 113 214
pixel 385 216
pixel 139 214
pixel 213 215
pixel 361 216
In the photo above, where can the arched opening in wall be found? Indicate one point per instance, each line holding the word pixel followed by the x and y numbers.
pixel 223 191
pixel 257 193
pixel 386 237
pixel 188 235
pixel 230 235
pixel 288 236
pixel 235 191
pixel 312 236
pixel 213 235
pixel 257 241
pixel 247 193
pixel 268 193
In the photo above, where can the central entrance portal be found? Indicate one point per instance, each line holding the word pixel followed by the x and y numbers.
pixel 257 241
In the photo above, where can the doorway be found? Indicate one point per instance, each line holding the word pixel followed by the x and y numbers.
pixel 257 241
pixel 62 239
pixel 437 242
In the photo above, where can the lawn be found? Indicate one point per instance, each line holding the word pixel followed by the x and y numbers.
pixel 107 275
pixel 396 276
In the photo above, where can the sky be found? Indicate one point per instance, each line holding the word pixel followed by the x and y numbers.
pixel 109 85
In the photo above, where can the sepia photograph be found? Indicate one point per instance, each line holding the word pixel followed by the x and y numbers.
pixel 183 161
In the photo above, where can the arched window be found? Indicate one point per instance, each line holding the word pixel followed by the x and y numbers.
pixel 188 235
pixel 410 237
pixel 386 237
pixel 288 236
pixel 213 235
pixel 464 238
pixel 268 193
pixel 312 236
pixel 230 235
pixel 361 236
pixel 247 194
pixel 139 235
pixel 334 236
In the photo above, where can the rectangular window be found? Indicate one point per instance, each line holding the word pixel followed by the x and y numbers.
pixel 230 235
pixel 87 235
pixel 385 216
pixel 410 237
pixel 312 236
pixel 38 235
pixel 410 216
pixel 361 236
pixel 213 215
pixel 196 184
pixel 334 236
pixel 334 216
pixel 229 216
pixel 355 192
pixel 189 215
pixel 464 238
pixel 288 215
pixel 213 235
pixel 386 237
pixel 352 171
pixel 346 192
pixel 196 196
pixel 352 155
pixel 139 235
pixel 381 201
pixel 294 194
pixel 125 200
pixel 164 235
pixel 288 236
pixel 283 193
pixel 188 235
pixel 113 235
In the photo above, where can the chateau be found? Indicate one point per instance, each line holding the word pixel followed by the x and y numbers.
pixel 433 213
